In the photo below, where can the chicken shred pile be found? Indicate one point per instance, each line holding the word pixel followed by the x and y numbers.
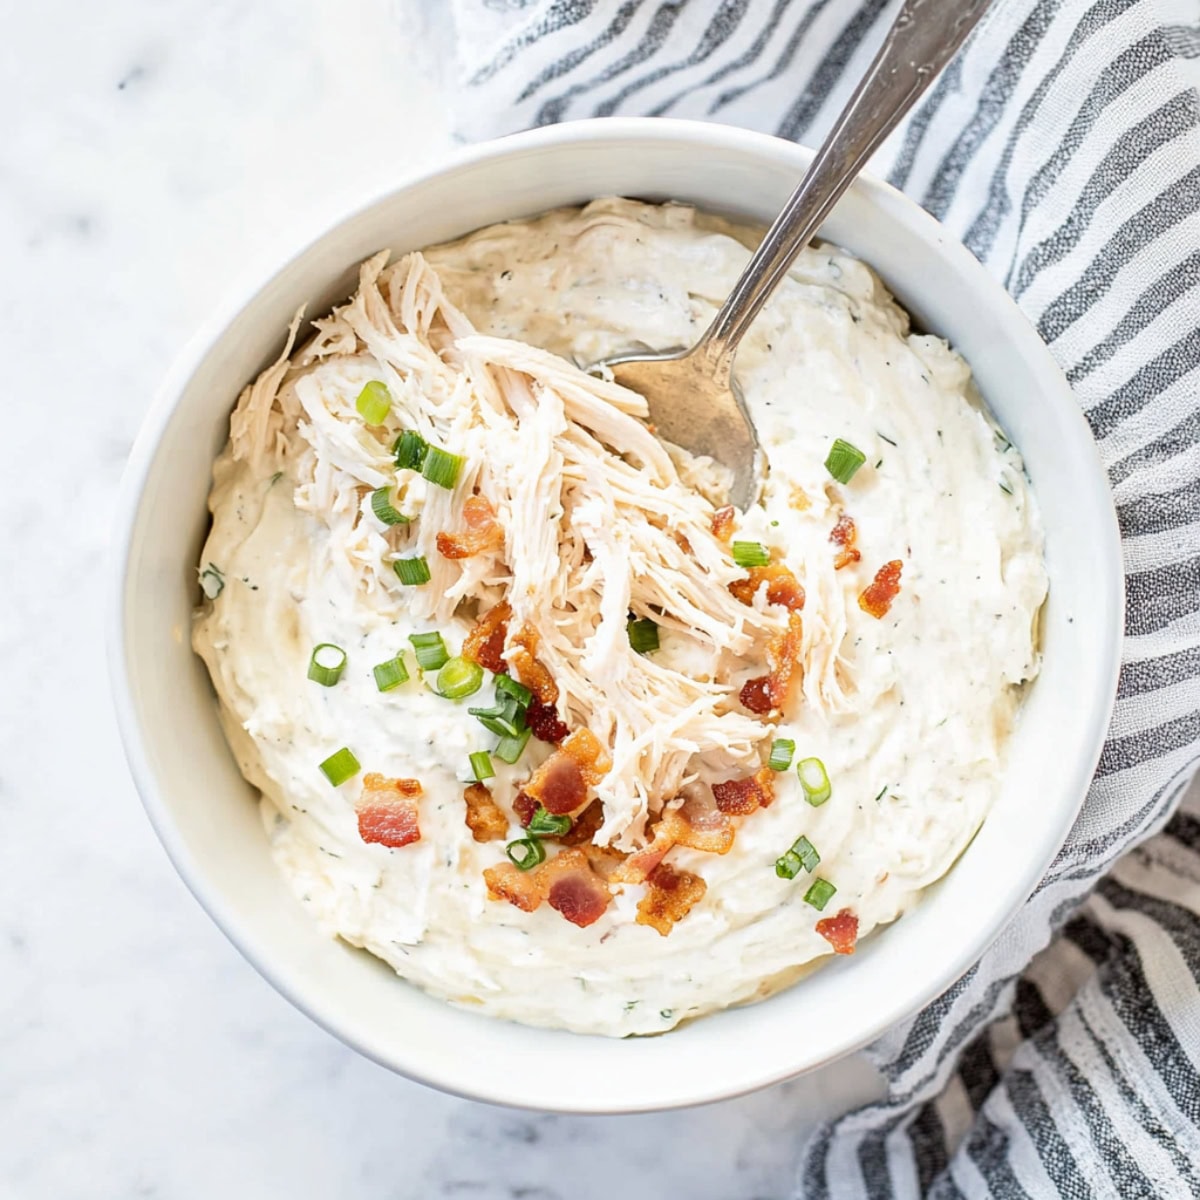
pixel 597 523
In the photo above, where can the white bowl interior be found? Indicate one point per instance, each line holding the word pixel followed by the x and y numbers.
pixel 205 812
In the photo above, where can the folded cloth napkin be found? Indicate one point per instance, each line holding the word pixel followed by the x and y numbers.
pixel 1063 147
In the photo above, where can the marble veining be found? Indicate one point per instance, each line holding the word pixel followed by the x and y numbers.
pixel 152 155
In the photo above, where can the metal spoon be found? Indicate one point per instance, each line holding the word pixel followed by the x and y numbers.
pixel 693 397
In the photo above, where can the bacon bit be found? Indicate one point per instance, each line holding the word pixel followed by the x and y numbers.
pixel 697 824
pixel 584 827
pixel 543 720
pixel 485 643
pixel 669 897
pixel 387 811
pixel 522 657
pixel 567 883
pixel 773 690
pixel 845 535
pixel 482 532
pixel 743 796
pixel 524 805
pixel 783 588
pixel 573 889
pixel 841 932
pixel 882 590
pixel 485 818
pixel 722 523
pixel 520 888
pixel 799 499
pixel 560 784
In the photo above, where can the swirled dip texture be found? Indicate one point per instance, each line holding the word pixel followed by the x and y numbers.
pixel 566 517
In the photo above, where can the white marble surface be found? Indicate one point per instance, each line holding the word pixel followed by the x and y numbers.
pixel 150 153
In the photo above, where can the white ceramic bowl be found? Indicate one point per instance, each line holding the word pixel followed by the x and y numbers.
pixel 205 813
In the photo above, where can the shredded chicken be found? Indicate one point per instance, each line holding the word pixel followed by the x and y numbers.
pixel 597 522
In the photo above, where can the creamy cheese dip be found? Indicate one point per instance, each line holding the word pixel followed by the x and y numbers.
pixel 910 713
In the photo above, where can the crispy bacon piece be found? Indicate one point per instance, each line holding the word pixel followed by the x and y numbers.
pixel 878 595
pixel 524 805
pixel 485 818
pixel 584 827
pixel 773 690
pixel 722 523
pixel 574 889
pixel 561 783
pixel 566 882
pixel 387 811
pixel 697 824
pixel 485 643
pixel 783 588
pixel 743 796
pixel 522 657
pixel 670 896
pixel 543 720
pixel 482 533
pixel 845 535
pixel 841 932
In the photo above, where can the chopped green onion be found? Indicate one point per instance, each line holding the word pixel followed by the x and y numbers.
pixel 431 651
pixel 442 467
pixel 509 748
pixel 410 449
pixel 374 403
pixel 391 674
pixel 844 459
pixel 412 571
pixel 511 687
pixel 459 677
pixel 806 852
pixel 381 506
pixel 505 718
pixel 212 581
pixel 750 554
pixel 820 893
pixel 481 765
pixel 340 766
pixel 782 750
pixel 814 779
pixel 326 664
pixel 787 866
pixel 525 853
pixel 544 824
pixel 643 635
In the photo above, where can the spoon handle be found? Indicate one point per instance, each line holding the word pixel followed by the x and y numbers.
pixel 921 41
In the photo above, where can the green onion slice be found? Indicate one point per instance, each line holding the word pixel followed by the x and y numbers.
pixel 442 467
pixel 481 765
pixel 511 687
pixel 459 677
pixel 509 748
pixel 782 750
pixel 374 403
pixel 788 865
pixel 410 449
pixel 525 853
pixel 326 664
pixel 505 718
pixel 391 674
pixel 340 766
pixel 814 779
pixel 430 650
pixel 412 571
pixel 820 893
pixel 381 506
pixel 643 635
pixel 212 581
pixel 750 554
pixel 544 824
pixel 844 459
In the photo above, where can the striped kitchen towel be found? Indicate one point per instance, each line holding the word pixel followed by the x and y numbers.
pixel 1063 147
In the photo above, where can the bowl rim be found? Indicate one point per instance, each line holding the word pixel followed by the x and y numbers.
pixel 258 275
